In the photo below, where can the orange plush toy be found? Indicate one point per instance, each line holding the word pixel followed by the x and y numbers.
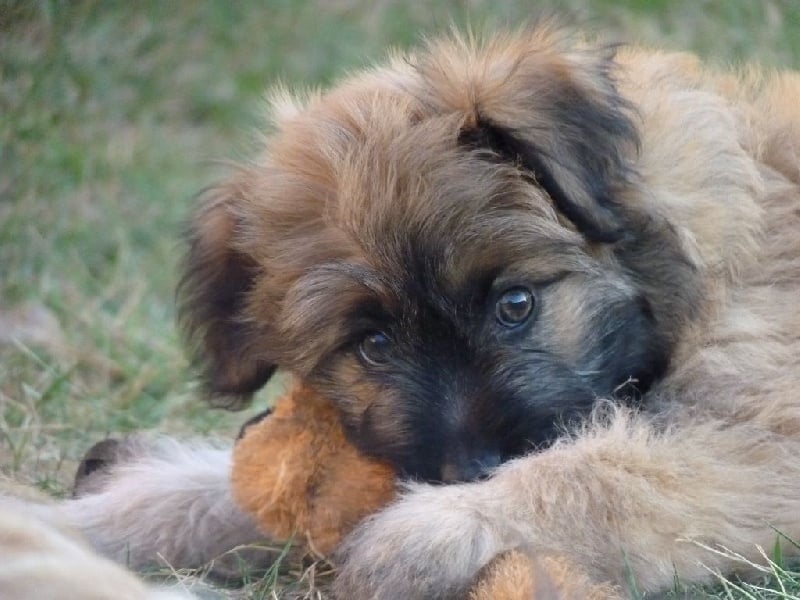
pixel 297 474
pixel 295 471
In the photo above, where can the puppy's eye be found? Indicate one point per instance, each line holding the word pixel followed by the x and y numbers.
pixel 374 348
pixel 514 306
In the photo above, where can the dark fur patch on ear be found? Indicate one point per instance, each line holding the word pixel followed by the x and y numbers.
pixel 598 222
pixel 557 114
pixel 211 296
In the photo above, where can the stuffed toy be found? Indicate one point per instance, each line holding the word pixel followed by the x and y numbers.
pixel 296 473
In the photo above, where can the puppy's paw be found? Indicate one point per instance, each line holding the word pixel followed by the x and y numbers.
pixel 98 460
pixel 429 545
pixel 147 501
pixel 98 466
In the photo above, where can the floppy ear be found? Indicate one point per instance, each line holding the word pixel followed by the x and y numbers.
pixel 217 277
pixel 550 107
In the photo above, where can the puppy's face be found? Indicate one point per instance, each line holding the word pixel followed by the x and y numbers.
pixel 440 248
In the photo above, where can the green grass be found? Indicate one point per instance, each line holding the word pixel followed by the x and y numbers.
pixel 113 114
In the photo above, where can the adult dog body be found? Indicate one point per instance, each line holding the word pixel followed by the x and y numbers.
pixel 469 247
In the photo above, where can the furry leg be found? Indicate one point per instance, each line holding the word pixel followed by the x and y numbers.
pixel 164 502
pixel 622 499
pixel 44 558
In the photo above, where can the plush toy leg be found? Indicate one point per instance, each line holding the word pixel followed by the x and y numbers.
pixel 298 475
pixel 516 575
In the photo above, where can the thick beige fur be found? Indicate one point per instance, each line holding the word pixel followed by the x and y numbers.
pixel 163 503
pixel 716 464
pixel 43 557
pixel 710 460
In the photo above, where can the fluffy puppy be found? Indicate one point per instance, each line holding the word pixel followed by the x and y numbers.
pixel 440 247
pixel 466 248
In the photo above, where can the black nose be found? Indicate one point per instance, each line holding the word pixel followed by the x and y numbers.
pixel 469 466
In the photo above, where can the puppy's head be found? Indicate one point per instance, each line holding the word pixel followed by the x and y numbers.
pixel 441 246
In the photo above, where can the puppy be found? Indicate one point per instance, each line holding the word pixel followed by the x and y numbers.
pixel 528 247
pixel 441 247
pixel 561 278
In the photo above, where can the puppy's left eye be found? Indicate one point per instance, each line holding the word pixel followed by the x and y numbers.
pixel 375 347
pixel 514 306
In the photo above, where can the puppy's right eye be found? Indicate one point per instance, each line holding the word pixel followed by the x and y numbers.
pixel 514 307
pixel 374 348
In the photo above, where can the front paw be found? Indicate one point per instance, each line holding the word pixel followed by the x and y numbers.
pixel 100 460
pixel 429 545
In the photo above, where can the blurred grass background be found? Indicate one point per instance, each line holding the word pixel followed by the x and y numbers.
pixel 113 114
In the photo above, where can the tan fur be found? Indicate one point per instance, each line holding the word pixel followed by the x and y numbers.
pixel 161 502
pixel 43 557
pixel 698 167
pixel 716 464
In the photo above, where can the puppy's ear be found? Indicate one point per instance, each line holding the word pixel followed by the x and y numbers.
pixel 212 296
pixel 550 106
pixel 581 188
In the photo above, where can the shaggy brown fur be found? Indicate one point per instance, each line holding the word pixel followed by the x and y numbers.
pixel 528 247
pixel 392 206
pixel 649 205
